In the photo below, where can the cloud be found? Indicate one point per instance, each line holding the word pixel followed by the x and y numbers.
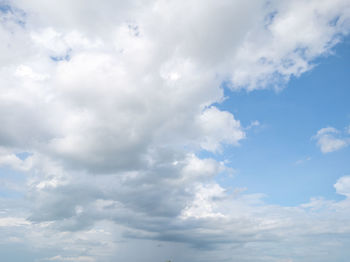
pixel 12 222
pixel 343 186
pixel 302 161
pixel 229 132
pixel 114 101
pixel 328 140
pixel 80 258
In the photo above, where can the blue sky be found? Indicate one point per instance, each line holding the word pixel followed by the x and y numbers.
pixel 279 158
pixel 198 130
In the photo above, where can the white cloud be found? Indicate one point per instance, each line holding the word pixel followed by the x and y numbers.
pixel 343 186
pixel 219 127
pixel 9 159
pixel 115 99
pixel 13 222
pixel 329 140
pixel 203 204
pixel 25 71
pixel 303 160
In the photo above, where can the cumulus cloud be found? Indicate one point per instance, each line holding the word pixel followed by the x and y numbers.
pixel 330 140
pixel 343 186
pixel 114 100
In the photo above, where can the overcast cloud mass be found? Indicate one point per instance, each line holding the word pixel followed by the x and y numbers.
pixel 112 136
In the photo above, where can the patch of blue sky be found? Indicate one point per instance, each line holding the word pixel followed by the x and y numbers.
pixel 279 158
pixel 269 18
pixel 5 8
pixel 13 14
pixel 23 155
pixel 11 183
pixel 60 58
pixel 334 21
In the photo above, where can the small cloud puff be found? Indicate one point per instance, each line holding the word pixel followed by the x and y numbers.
pixel 343 186
pixel 329 140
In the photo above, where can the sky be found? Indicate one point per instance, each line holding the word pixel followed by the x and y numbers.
pixel 155 130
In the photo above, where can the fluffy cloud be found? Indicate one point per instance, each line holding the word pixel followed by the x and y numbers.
pixel 343 186
pixel 329 140
pixel 113 101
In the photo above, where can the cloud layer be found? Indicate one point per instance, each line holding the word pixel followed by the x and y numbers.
pixel 106 107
